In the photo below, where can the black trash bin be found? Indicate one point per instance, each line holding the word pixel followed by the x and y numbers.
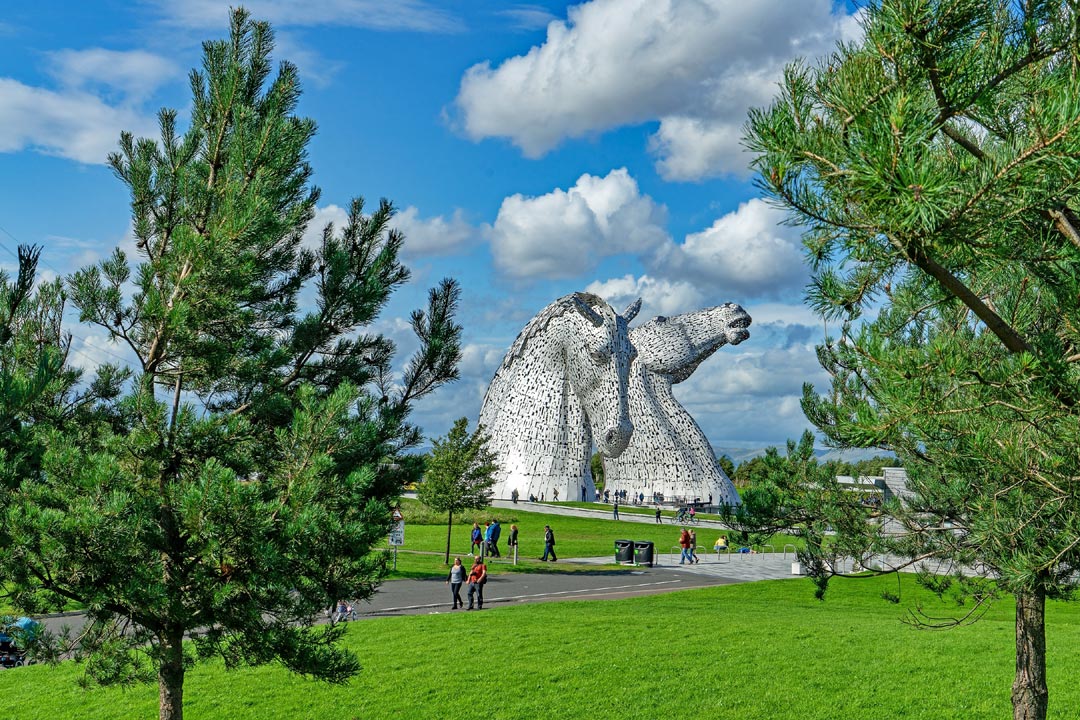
pixel 643 552
pixel 624 551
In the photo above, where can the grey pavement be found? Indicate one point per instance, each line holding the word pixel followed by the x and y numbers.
pixel 432 595
pixel 427 596
pixel 602 510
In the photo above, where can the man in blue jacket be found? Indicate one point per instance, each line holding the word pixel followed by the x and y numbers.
pixel 494 530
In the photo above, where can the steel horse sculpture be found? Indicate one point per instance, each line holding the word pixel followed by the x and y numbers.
pixel 563 384
pixel 669 454
pixel 576 374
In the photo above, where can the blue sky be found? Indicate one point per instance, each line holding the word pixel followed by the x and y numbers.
pixel 532 150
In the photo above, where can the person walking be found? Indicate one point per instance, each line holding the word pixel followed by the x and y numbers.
pixel 477 580
pixel 455 580
pixel 549 544
pixel 684 543
pixel 511 542
pixel 658 520
pixel 693 547
pixel 477 538
pixel 615 509
pixel 555 494
pixel 496 532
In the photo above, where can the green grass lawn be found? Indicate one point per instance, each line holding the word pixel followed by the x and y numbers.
pixel 574 537
pixel 759 650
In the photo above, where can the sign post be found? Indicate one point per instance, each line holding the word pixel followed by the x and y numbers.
pixel 397 532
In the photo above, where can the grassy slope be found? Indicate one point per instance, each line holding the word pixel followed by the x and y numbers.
pixel 759 650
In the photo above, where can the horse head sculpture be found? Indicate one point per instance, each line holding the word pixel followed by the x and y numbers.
pixel 669 454
pixel 563 383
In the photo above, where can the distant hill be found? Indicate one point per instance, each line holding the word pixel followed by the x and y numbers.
pixel 741 454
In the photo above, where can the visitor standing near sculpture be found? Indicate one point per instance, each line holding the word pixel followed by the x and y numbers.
pixel 658 520
pixel 615 509
pixel 477 539
pixel 511 543
pixel 495 532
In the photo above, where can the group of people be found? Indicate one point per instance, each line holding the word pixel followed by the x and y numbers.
pixel 688 543
pixel 486 541
pixel 476 578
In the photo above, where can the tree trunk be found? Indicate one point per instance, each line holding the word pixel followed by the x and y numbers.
pixel 449 529
pixel 1029 692
pixel 171 677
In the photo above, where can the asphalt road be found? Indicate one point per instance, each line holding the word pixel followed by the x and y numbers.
pixel 413 597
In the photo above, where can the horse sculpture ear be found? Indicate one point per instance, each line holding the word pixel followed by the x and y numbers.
pixel 632 310
pixel 587 312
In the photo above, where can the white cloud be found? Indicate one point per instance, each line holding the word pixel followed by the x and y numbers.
pixel 658 297
pixel 566 232
pixel 92 350
pixel 433 236
pixel 746 253
pixel 695 65
pixel 423 236
pixel 133 75
pixel 313 233
pixel 413 15
pixel 528 17
pixel 72 124
pixel 751 395
pixel 313 66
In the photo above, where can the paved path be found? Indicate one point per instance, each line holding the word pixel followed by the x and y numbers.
pixel 411 597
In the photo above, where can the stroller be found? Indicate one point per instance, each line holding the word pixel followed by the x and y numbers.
pixel 15 635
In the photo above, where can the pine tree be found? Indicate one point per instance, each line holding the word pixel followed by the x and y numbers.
pixel 243 480
pixel 933 166
pixel 459 474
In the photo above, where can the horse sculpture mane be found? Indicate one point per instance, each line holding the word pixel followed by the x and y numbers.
pixel 540 321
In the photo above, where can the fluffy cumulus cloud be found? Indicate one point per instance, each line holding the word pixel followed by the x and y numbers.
pixel 658 297
pixel 746 395
pixel 437 235
pixel 745 253
pixel 71 124
pixel 566 232
pixel 694 65
pixel 99 93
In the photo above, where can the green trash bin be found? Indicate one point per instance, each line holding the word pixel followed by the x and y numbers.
pixel 624 551
pixel 643 553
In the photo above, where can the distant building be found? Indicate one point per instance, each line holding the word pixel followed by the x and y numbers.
pixel 892 483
